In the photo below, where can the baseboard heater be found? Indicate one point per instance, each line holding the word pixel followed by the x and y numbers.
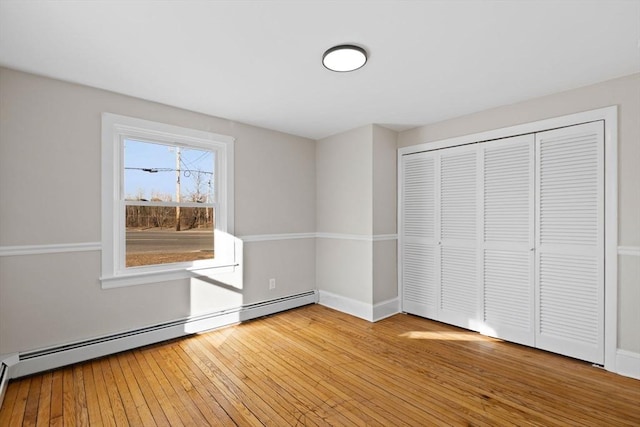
pixel 4 381
pixel 55 357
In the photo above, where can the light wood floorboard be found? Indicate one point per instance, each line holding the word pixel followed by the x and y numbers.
pixel 314 366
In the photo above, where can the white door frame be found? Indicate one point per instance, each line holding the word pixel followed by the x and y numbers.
pixel 610 117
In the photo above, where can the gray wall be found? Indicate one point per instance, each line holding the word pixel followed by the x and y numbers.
pixel 356 191
pixel 344 184
pixel 385 208
pixel 344 189
pixel 50 194
pixel 623 92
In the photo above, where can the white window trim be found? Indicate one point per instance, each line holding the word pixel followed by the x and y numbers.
pixel 115 129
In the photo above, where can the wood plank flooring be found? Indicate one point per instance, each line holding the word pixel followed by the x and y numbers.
pixel 313 366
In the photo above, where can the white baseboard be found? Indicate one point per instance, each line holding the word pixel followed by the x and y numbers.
pixel 346 305
pixel 628 363
pixel 386 309
pixel 369 312
pixel 55 357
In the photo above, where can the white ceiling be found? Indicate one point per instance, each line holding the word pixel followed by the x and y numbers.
pixel 259 62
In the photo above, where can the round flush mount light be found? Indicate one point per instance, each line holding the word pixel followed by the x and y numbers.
pixel 344 58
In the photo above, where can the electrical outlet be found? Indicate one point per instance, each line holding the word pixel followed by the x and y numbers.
pixel 272 283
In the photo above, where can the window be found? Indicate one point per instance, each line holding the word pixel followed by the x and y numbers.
pixel 167 201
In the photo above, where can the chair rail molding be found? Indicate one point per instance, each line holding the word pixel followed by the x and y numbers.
pixel 49 248
pixel 629 250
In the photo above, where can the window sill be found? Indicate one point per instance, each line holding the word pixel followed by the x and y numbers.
pixel 148 277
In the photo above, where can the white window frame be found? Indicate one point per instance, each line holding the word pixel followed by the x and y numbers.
pixel 115 130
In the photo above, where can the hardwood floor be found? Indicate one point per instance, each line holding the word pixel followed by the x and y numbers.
pixel 315 367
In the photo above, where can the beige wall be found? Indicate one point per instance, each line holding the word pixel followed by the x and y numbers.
pixel 344 169
pixel 356 190
pixel 623 92
pixel 343 182
pixel 385 186
pixel 344 267
pixel 384 180
pixel 50 170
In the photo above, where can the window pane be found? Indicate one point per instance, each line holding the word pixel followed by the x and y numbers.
pixel 157 172
pixel 152 236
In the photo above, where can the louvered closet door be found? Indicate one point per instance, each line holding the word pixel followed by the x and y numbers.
pixel 418 243
pixel 459 290
pixel 570 241
pixel 508 239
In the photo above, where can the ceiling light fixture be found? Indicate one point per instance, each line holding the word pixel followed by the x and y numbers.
pixel 344 58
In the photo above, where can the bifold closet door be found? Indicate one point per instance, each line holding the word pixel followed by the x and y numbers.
pixel 459 293
pixel 570 241
pixel 507 243
pixel 439 241
pixel 439 235
pixel 419 249
pixel 507 238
